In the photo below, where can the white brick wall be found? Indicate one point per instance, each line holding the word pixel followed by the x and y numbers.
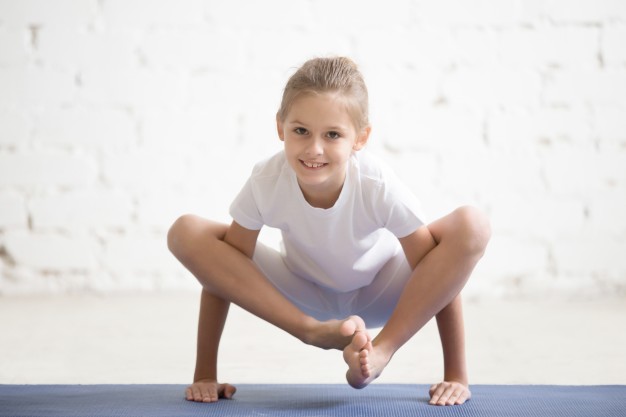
pixel 116 116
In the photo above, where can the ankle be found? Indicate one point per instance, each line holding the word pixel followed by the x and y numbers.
pixel 309 331
pixel 383 349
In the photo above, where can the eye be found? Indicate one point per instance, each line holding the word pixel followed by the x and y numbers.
pixel 300 131
pixel 333 135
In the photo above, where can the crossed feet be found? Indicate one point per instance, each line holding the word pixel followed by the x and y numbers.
pixel 365 360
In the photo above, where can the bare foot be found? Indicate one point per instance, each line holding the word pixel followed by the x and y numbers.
pixel 365 362
pixel 336 334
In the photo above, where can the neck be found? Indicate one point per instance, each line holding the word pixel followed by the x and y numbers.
pixel 321 198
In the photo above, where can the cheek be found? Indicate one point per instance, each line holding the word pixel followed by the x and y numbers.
pixel 290 146
pixel 345 151
pixel 291 151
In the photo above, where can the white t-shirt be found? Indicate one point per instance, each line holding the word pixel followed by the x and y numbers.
pixel 341 248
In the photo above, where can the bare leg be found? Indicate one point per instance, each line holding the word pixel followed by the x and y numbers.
pixel 438 277
pixel 227 273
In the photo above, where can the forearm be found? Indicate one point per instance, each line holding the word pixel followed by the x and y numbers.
pixel 452 334
pixel 213 312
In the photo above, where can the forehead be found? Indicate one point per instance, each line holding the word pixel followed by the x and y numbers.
pixel 321 108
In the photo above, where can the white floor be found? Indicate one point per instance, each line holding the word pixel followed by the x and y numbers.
pixel 151 339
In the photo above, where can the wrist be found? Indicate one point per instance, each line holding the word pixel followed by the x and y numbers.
pixel 204 380
pixel 456 377
pixel 204 375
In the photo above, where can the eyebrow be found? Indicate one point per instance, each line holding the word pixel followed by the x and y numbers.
pixel 297 122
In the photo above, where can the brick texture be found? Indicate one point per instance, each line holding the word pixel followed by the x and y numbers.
pixel 117 116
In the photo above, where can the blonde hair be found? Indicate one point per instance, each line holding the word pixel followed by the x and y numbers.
pixel 327 75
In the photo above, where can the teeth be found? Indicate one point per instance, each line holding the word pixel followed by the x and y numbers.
pixel 312 164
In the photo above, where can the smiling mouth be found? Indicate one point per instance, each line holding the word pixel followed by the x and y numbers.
pixel 313 165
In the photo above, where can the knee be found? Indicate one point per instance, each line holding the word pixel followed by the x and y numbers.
pixel 180 234
pixel 473 228
pixel 192 235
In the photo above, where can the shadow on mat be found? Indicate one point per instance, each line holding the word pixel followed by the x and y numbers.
pixel 272 401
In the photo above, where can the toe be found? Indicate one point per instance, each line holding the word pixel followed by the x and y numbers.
pixel 351 325
pixel 359 340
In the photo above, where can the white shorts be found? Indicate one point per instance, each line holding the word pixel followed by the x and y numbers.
pixel 374 303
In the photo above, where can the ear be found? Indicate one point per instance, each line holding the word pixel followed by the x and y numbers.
pixel 279 128
pixel 362 139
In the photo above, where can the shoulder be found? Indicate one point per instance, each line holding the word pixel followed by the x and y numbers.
pixel 373 179
pixel 270 172
pixel 395 204
pixel 259 195
pixel 270 167
pixel 270 179
pixel 372 169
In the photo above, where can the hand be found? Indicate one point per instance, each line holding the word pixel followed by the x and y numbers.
pixel 449 393
pixel 209 391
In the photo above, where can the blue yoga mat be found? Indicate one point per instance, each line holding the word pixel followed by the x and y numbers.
pixel 310 400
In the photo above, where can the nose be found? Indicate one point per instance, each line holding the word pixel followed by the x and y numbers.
pixel 315 147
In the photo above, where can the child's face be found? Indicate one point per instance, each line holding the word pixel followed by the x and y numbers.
pixel 319 137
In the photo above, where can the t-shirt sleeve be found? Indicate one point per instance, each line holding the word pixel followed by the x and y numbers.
pixel 244 209
pixel 400 211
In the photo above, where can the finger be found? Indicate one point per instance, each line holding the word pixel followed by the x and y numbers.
pixel 197 395
pixel 188 394
pixel 454 395
pixel 209 394
pixel 445 395
pixel 434 396
pixel 228 391
pixel 465 395
pixel 461 397
pixel 438 392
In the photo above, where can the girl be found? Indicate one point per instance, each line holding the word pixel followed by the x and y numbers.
pixel 356 251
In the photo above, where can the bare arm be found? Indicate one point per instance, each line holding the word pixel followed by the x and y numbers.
pixel 417 245
pixel 242 239
pixel 452 335
pixel 449 319
pixel 213 312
